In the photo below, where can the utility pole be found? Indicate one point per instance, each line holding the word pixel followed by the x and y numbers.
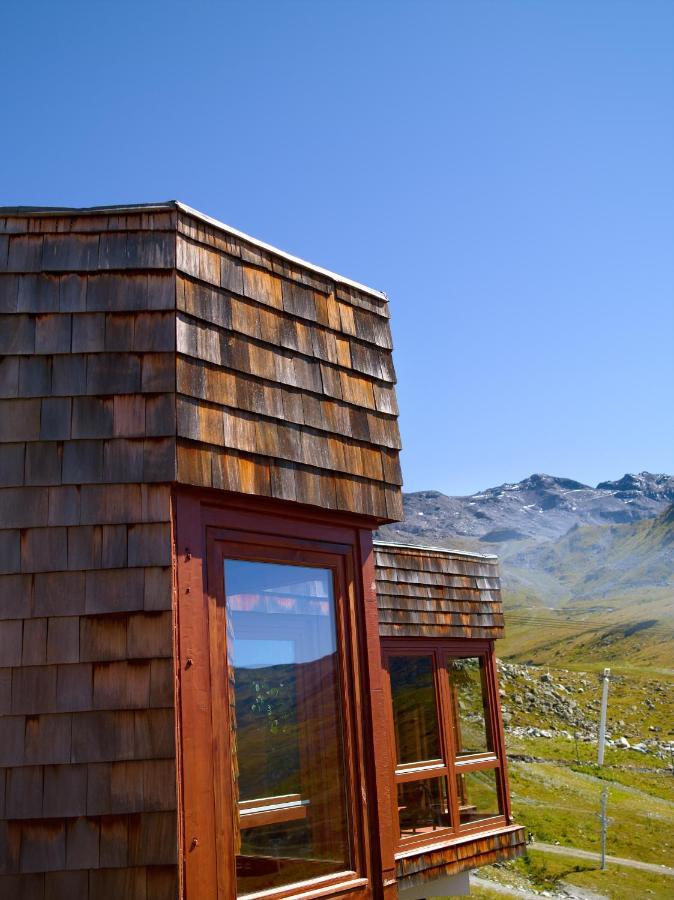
pixel 602 719
pixel 600 762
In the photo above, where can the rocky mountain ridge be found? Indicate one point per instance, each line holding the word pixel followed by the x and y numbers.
pixel 541 507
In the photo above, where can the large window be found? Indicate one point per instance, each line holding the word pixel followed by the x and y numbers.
pixel 287 724
pixel 448 774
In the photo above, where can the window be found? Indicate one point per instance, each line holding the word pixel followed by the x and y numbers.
pixel 448 774
pixel 289 778
pixel 286 722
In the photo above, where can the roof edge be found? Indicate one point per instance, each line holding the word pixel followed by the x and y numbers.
pixel 446 550
pixel 162 206
pixel 333 276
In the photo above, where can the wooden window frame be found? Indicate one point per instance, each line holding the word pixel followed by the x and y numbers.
pixel 450 765
pixel 205 523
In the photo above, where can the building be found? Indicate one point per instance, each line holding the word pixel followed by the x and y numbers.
pixel 212 682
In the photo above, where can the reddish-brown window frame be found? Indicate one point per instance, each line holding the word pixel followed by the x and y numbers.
pixel 200 520
pixel 440 649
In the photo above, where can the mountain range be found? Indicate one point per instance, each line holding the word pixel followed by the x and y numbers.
pixel 599 559
pixel 542 507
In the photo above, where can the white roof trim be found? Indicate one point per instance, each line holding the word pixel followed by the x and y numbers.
pixel 333 276
pixel 446 550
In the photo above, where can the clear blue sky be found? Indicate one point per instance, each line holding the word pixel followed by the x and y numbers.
pixel 504 170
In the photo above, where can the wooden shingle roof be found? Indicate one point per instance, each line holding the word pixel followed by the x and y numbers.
pixel 433 592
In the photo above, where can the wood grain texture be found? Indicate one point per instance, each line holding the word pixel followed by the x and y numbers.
pixel 87 451
pixel 437 593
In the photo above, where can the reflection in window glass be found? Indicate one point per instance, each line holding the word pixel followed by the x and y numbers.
pixel 414 711
pixel 422 806
pixel 290 782
pixel 469 702
pixel 478 795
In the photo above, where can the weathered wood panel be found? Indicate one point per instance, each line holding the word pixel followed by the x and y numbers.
pixel 414 868
pixel 432 592
pixel 87 454
pixel 285 379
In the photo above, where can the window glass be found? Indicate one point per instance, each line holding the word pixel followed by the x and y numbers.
pixel 289 759
pixel 478 795
pixel 469 702
pixel 414 711
pixel 422 806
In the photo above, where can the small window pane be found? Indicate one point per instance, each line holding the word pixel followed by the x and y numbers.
pixel 289 759
pixel 478 796
pixel 469 702
pixel 422 806
pixel 414 711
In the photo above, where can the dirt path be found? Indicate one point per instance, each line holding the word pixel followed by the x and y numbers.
pixel 595 857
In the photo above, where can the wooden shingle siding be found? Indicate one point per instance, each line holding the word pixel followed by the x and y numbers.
pixel 437 593
pixel 140 349
pixel 285 380
pixel 418 868
pixel 87 454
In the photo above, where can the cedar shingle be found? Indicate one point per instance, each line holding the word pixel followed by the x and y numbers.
pixel 9 290
pixel 114 373
pixel 17 334
pixel 162 882
pixel 121 685
pixel 102 736
pixel 12 742
pixel 59 594
pixel 23 507
pixel 34 648
pixel 52 333
pixel 88 333
pixel 34 690
pixel 72 293
pixel 153 839
pixel 150 635
pixel 65 791
pixel 64 505
pixel 154 734
pixel 10 552
pixel 69 375
pixel 6 699
pixel 24 793
pixel 55 418
pixel 92 417
pixel 158 589
pixel 82 462
pixel 123 460
pixel 9 376
pixel 114 590
pixel 43 846
pixel 112 884
pixel 66 886
pixel 43 463
pixel 43 549
pixel 84 547
pixel 150 545
pixel 19 420
pixel 102 638
pixel 35 376
pixel 47 739
pixel 12 464
pixel 82 842
pixel 74 687
pixel 114 841
pixel 63 639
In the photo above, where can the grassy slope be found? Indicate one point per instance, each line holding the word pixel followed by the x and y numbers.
pixel 556 792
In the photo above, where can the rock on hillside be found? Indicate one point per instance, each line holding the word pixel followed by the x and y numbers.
pixel 541 507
